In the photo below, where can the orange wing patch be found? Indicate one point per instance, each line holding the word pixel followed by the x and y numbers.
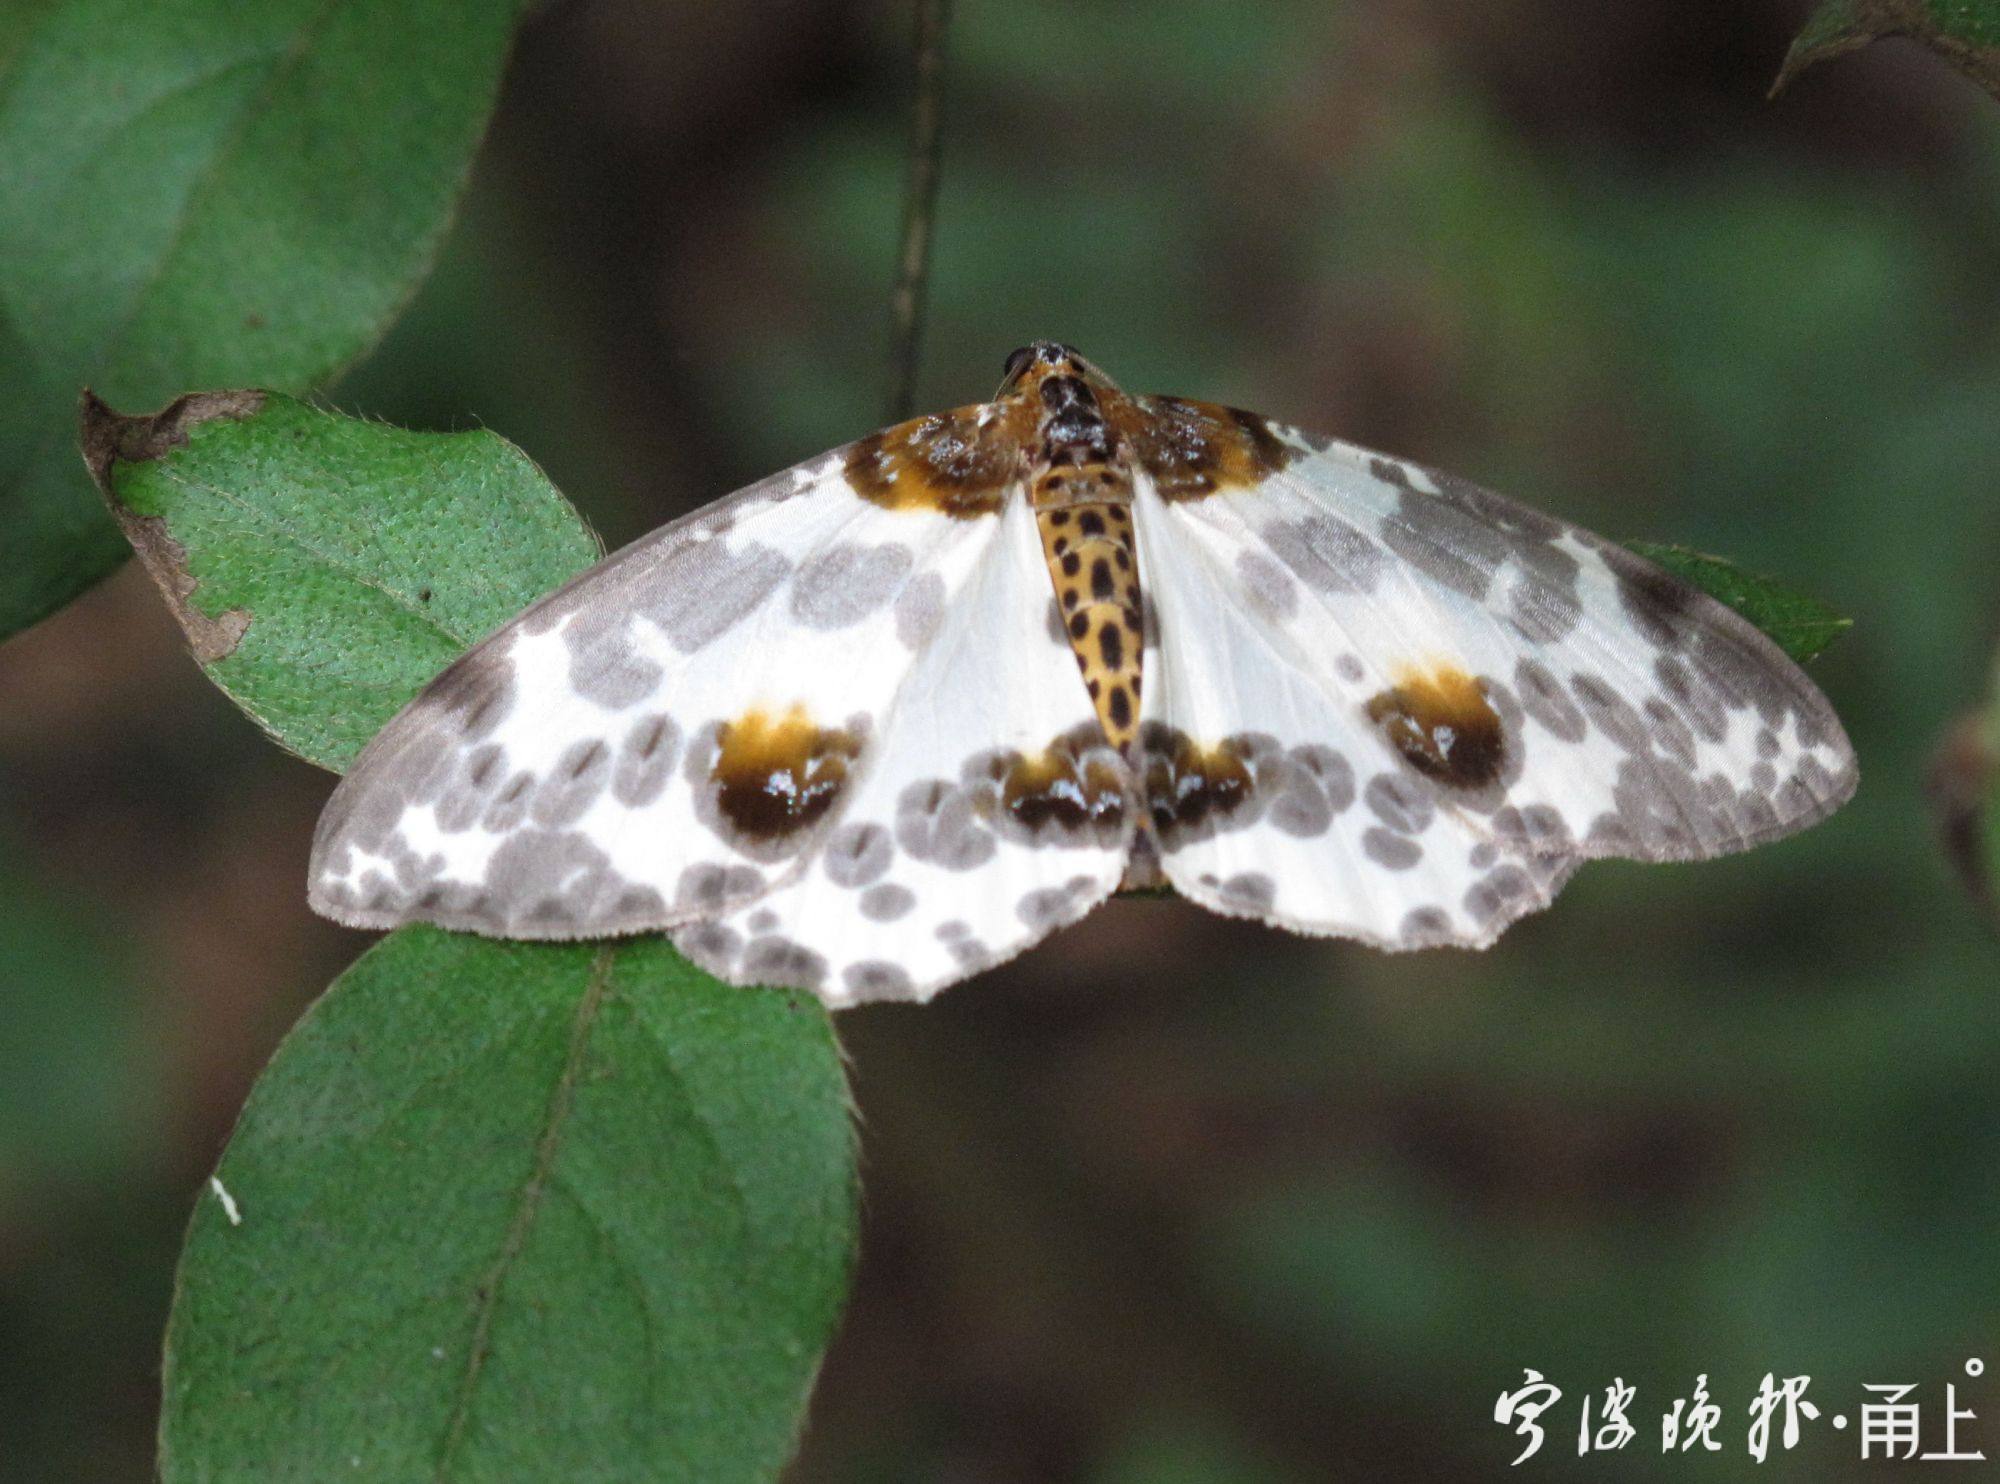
pixel 1442 723
pixel 949 462
pixel 774 777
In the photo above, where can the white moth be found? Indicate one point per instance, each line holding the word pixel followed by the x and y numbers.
pixel 885 719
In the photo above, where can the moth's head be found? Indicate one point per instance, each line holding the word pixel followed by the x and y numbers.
pixel 1031 365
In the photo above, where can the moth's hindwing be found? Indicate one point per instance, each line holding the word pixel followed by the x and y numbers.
pixel 991 812
pixel 1389 705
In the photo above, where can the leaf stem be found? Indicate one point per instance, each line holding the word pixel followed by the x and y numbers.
pixel 913 262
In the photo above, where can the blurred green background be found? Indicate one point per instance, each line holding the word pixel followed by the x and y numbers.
pixel 1176 1199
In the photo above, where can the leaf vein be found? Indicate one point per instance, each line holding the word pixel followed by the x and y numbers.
pixel 345 564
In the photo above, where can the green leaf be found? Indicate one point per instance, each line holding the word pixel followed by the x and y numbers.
pixel 1801 626
pixel 325 568
pixel 509 1211
pixel 1965 33
pixel 207 193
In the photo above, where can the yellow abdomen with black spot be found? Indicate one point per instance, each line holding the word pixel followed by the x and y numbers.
pixel 1094 565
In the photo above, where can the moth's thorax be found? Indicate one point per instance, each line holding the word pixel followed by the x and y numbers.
pixel 1063 432
pixel 1079 456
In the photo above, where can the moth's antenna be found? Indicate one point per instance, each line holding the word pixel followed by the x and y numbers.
pixel 913 265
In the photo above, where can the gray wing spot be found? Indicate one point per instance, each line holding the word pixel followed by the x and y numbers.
pixel 700 591
pixel 877 979
pixel 1444 543
pixel 1543 612
pixel 935 821
pixel 710 946
pixel 573 785
pixel 1398 803
pixel 604 664
pixel 1612 714
pixel 845 583
pixel 1426 927
pixel 548 878
pixel 1695 701
pixel 1543 698
pixel 1538 829
pixel 1251 891
pixel 1504 892
pixel 475 693
pixel 887 902
pixel 510 805
pixel 1654 600
pixel 858 855
pixel 695 592
pixel 458 808
pixel 1395 852
pixel 1267 587
pixel 712 888
pixel 423 758
pixel 919 609
pixel 1052 907
pixel 779 962
pixel 1672 735
pixel 1327 554
pixel 646 761
pixel 1324 774
pixel 1462 536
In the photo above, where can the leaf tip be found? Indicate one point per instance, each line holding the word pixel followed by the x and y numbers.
pixel 107 437
pixel 1809 50
pixel 1958 31
pixel 1837 26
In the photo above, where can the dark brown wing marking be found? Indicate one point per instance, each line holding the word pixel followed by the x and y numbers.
pixel 1193 449
pixel 1443 725
pixel 775 776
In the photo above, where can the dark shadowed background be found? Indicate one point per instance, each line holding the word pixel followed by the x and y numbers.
pixel 1171 1198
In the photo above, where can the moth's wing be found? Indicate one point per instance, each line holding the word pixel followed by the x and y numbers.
pixel 566 778
pixel 989 813
pixel 1444 701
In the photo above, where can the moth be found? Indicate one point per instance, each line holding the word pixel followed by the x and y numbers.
pixel 880 721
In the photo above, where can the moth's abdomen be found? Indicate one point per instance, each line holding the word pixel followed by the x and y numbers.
pixel 1096 575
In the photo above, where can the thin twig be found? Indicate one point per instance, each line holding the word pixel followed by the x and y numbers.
pixel 913 265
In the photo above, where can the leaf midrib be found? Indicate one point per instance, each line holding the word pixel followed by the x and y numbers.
pixel 283 63
pixel 561 1099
